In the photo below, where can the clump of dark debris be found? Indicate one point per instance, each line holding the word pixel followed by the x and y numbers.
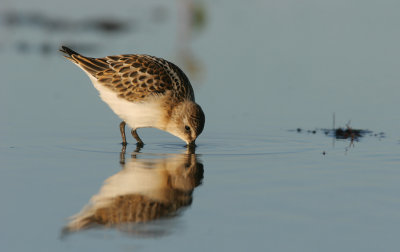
pixel 344 133
pixel 350 133
pixel 347 133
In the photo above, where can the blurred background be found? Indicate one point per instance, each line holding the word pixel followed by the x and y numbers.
pixel 264 63
pixel 260 69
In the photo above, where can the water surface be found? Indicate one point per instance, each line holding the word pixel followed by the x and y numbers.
pixel 260 70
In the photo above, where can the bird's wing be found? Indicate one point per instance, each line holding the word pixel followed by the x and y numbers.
pixel 135 77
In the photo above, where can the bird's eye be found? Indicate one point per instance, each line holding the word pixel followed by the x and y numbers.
pixel 187 128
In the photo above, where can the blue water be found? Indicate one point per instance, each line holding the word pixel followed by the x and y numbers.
pixel 260 70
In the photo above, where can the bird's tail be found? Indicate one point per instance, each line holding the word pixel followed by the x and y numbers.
pixel 69 53
pixel 90 65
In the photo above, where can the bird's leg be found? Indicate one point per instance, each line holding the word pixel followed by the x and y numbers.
pixel 122 155
pixel 137 150
pixel 136 136
pixel 122 129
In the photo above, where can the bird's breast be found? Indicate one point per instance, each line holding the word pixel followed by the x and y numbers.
pixel 135 114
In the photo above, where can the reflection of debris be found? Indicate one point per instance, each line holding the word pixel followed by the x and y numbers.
pixel 39 21
pixel 299 130
pixel 22 46
pixel 199 16
pixel 192 18
pixel 343 133
pixel 105 25
pixel 349 133
pixel 191 64
pixel 46 48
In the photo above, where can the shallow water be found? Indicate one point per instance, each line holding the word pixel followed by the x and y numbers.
pixel 260 71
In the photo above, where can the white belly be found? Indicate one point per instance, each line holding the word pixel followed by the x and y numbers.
pixel 136 115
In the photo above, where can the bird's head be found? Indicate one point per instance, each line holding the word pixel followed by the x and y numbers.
pixel 187 121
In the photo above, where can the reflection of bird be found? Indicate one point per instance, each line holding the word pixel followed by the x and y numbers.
pixel 145 91
pixel 145 190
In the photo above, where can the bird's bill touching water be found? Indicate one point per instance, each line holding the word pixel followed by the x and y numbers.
pixel 191 146
pixel 186 121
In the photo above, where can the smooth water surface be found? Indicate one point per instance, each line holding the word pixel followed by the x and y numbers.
pixel 260 70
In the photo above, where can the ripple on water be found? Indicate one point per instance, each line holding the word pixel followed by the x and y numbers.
pixel 218 145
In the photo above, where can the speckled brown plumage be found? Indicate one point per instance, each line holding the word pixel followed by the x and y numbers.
pixel 124 200
pixel 136 77
pixel 144 91
pixel 138 209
